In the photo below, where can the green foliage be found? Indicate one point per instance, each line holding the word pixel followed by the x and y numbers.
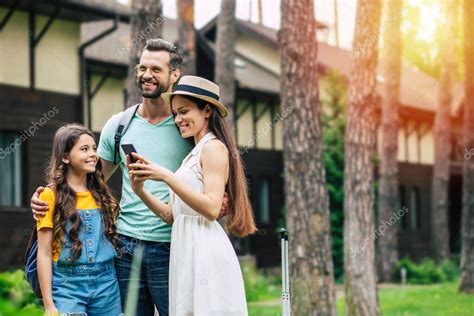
pixel 427 272
pixel 450 269
pixel 16 297
pixel 257 286
pixel 424 52
pixel 333 103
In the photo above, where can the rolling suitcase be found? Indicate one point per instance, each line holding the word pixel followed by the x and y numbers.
pixel 285 279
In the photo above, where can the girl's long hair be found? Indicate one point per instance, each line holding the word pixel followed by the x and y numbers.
pixel 240 221
pixel 65 197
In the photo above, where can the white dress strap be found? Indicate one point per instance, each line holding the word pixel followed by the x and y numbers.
pixel 209 136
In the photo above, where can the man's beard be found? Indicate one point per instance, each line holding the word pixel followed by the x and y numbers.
pixel 160 88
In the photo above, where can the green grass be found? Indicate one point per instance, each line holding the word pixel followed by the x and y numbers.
pixel 263 295
pixel 255 310
pixel 441 299
pixel 412 300
pixel 259 287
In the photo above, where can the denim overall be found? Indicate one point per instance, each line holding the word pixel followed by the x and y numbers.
pixel 88 285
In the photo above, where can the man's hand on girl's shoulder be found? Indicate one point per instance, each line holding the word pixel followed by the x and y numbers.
pixel 38 207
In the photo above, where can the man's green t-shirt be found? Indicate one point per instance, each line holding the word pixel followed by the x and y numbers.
pixel 162 144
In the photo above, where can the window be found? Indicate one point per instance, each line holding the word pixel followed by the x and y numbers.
pixel 10 169
pixel 249 181
pixel 264 200
pixel 414 208
pixel 410 198
pixel 402 222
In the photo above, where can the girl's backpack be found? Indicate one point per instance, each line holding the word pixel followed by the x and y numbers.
pixel 31 266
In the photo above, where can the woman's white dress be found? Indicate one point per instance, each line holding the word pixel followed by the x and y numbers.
pixel 205 277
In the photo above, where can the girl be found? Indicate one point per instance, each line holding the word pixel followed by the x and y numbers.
pixel 77 236
pixel 205 276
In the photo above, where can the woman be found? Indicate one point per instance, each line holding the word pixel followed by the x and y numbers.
pixel 205 276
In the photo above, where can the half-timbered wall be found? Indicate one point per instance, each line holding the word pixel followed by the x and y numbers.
pixel 29 119
pixel 56 59
pixel 108 100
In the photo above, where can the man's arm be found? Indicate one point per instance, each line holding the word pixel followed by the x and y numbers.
pixel 108 169
pixel 39 208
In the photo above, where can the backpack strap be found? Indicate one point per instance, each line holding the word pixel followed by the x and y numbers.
pixel 124 122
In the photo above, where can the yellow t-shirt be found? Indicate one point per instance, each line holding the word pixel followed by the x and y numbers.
pixel 84 201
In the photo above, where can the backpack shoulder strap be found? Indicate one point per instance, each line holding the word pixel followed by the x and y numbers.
pixel 124 122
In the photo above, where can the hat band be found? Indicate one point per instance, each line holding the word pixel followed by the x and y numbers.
pixel 196 90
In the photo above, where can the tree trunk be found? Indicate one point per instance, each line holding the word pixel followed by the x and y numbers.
pixel 187 36
pixel 146 23
pixel 388 192
pixel 336 23
pixel 260 12
pixel 225 45
pixel 359 257
pixel 442 134
pixel 467 229
pixel 311 267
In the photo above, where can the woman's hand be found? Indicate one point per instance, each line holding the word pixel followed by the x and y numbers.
pixel 144 169
pixel 135 182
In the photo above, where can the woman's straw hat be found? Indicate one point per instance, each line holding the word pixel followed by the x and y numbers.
pixel 199 88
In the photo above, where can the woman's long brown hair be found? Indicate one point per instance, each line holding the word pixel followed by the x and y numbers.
pixel 240 221
pixel 65 197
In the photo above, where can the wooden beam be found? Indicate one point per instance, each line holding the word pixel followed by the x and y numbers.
pixel 9 14
pixel 244 109
pixel 405 127
pixel 47 25
pixel 412 129
pixel 425 130
pixel 265 109
pixel 272 109
pixel 254 121
pixel 125 96
pixel 235 121
pixel 418 140
pixel 31 45
pixel 99 85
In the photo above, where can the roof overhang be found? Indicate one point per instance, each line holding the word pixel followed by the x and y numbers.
pixel 79 11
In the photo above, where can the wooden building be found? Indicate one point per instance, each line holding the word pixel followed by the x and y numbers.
pixel 41 87
pixel 258 45
pixel 83 42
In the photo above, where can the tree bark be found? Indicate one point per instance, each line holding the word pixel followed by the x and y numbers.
pixel 388 192
pixel 336 22
pixel 442 134
pixel 467 230
pixel 187 36
pixel 260 12
pixel 311 267
pixel 359 258
pixel 225 45
pixel 146 23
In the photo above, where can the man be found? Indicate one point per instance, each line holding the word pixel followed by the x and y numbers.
pixel 153 134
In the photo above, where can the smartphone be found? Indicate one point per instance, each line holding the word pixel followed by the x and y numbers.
pixel 129 149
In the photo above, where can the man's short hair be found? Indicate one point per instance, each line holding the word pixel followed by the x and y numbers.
pixel 158 44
